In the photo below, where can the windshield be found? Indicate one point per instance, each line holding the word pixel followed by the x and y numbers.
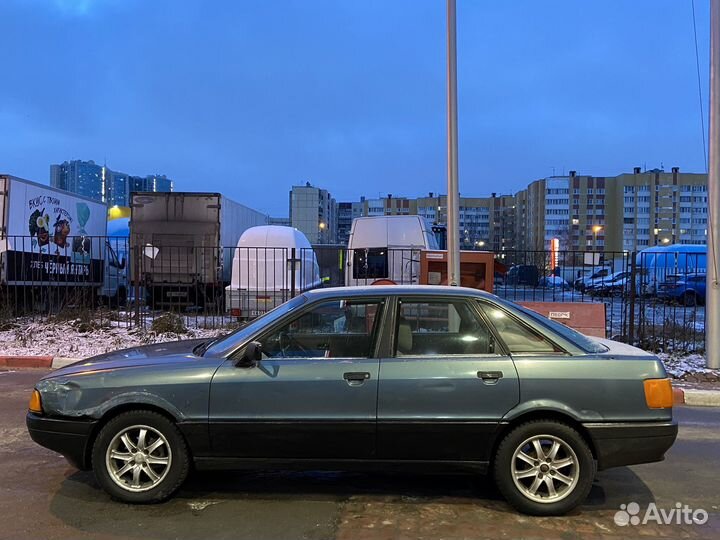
pixel 581 340
pixel 225 345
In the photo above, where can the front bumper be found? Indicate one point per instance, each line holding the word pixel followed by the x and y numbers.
pixel 630 443
pixel 67 437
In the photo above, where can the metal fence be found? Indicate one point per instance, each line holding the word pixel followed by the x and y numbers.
pixel 656 304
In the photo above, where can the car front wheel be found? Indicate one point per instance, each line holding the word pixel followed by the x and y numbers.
pixel 140 457
pixel 544 468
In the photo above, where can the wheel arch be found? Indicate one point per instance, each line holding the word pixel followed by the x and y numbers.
pixel 542 414
pixel 117 410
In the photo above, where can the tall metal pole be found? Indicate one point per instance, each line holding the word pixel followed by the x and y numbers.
pixel 712 302
pixel 453 195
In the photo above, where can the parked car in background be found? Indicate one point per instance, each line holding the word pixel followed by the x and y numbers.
pixel 688 289
pixel 523 274
pixel 615 283
pixel 428 377
pixel 582 282
pixel 553 282
pixel 656 263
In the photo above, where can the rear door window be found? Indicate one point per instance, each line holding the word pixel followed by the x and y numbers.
pixel 519 338
pixel 440 328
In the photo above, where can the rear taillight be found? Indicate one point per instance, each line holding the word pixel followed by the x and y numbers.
pixel 658 393
pixel 235 312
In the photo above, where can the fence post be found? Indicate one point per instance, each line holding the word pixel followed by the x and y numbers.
pixel 631 315
pixel 136 280
pixel 292 272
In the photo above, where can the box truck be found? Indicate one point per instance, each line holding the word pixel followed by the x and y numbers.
pixel 181 245
pixel 51 241
pixel 264 272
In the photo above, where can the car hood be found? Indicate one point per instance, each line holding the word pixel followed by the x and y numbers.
pixel 157 353
pixel 623 350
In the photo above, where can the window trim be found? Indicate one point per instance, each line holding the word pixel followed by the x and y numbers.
pixel 392 352
pixel 377 341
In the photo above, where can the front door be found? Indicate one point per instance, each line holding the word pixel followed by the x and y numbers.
pixel 447 386
pixel 313 394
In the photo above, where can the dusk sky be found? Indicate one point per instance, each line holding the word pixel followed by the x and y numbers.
pixel 249 98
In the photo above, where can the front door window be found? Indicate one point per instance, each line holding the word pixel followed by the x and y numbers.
pixel 333 329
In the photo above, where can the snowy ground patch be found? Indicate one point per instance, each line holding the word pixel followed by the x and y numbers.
pixel 77 338
pixel 691 367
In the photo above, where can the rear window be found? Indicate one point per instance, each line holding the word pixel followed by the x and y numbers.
pixel 581 340
pixel 370 263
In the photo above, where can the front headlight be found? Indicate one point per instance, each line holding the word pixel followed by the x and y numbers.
pixel 35 402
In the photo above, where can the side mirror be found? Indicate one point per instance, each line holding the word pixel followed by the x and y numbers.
pixel 251 356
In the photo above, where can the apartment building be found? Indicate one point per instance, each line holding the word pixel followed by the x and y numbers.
pixel 313 211
pixel 656 207
pixel 628 212
pixel 103 184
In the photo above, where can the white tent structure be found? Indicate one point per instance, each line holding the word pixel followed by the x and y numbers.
pixel 262 275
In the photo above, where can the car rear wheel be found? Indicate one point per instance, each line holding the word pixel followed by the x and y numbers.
pixel 690 299
pixel 544 468
pixel 140 457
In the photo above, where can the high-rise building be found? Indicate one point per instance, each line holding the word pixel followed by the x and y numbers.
pixel 82 177
pixel 345 219
pixel 628 212
pixel 152 182
pixel 117 188
pixel 99 182
pixel 313 211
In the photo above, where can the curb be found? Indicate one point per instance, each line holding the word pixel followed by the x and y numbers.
pixel 62 361
pixel 696 398
pixel 26 361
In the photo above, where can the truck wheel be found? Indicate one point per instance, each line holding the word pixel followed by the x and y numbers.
pixel 140 457
pixel 544 468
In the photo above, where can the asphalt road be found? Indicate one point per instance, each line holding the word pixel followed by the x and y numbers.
pixel 41 496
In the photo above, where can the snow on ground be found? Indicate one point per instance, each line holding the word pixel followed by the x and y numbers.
pixel 74 339
pixel 692 367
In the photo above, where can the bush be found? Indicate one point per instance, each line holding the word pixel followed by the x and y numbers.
pixel 169 323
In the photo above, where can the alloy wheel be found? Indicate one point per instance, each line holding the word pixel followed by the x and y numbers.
pixel 545 468
pixel 138 458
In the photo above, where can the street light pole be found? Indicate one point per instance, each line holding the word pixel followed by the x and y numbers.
pixel 453 196
pixel 712 300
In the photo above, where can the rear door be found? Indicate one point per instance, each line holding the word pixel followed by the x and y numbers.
pixel 446 384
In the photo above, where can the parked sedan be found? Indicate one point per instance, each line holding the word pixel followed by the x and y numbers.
pixel 386 376
pixel 616 283
pixel 689 289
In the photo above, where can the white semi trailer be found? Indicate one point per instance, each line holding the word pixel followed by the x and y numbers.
pixel 182 243
pixel 51 241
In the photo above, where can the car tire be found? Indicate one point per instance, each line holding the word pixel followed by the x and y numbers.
pixel 525 480
pixel 140 457
pixel 690 299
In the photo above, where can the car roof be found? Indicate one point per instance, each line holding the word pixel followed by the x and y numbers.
pixel 395 290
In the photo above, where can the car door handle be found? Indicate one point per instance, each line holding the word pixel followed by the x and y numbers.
pixel 490 377
pixel 356 378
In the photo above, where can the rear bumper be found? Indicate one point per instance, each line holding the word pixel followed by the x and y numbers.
pixel 66 437
pixel 630 443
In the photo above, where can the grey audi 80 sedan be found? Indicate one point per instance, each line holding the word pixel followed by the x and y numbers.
pixel 428 378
